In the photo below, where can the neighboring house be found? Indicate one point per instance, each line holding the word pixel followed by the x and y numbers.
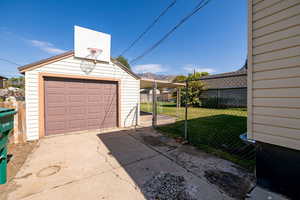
pixel 274 92
pixel 61 97
pixel 2 82
pixel 227 89
pixel 164 95
pixel 146 95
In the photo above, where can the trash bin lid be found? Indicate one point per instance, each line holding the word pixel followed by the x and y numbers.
pixel 6 109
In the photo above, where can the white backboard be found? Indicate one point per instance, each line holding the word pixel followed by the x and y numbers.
pixel 84 39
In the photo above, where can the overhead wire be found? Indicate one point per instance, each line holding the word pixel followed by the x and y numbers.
pixel 9 61
pixel 149 27
pixel 199 6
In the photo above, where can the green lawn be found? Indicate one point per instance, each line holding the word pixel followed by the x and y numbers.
pixel 214 130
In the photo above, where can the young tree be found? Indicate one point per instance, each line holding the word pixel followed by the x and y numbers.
pixel 179 79
pixel 194 90
pixel 123 61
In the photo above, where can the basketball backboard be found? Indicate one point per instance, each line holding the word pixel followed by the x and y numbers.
pixel 87 41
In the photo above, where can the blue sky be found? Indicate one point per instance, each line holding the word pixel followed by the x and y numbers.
pixel 213 40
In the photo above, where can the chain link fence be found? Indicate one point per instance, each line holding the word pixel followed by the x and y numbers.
pixel 214 125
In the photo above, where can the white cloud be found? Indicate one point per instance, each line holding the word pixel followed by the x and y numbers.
pixel 153 68
pixel 191 68
pixel 46 46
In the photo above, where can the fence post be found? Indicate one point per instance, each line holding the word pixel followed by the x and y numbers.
pixel 186 111
pixel 16 123
pixel 154 106
pixel 178 102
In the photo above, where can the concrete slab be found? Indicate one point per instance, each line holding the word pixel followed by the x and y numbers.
pixel 142 171
pixel 146 119
pixel 263 194
pixel 154 139
pixel 113 165
pixel 108 186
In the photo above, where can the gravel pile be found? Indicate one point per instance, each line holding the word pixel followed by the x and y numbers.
pixel 166 186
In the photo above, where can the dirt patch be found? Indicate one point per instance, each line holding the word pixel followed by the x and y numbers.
pixel 17 154
pixel 153 141
pixel 231 184
pixel 166 186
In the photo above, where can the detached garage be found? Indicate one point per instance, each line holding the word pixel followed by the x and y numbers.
pixel 67 93
pixel 61 98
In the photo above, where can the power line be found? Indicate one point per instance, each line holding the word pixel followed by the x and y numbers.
pixel 8 61
pixel 199 6
pixel 149 27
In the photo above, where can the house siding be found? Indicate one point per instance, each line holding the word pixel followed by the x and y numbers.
pixel 274 72
pixel 129 90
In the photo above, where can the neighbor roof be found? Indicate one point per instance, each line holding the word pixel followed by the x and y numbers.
pixel 236 79
pixel 241 72
pixel 2 77
pixel 67 54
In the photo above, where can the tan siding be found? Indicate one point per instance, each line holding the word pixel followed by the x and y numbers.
pixel 275 71
pixel 249 71
pixel 278 73
pixel 278 140
pixel 262 5
pixel 276 131
pixel 278 92
pixel 284 53
pixel 277 64
pixel 278 102
pixel 277 45
pixel 277 121
pixel 277 112
pixel 277 7
pixel 277 17
pixel 279 35
pixel 279 26
pixel 278 83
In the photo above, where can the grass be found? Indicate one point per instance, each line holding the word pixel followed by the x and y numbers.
pixel 214 130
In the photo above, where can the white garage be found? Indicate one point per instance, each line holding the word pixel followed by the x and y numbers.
pixel 70 93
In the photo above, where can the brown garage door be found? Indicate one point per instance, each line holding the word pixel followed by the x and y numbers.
pixel 76 105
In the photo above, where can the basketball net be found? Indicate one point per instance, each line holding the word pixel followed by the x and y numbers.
pixel 86 65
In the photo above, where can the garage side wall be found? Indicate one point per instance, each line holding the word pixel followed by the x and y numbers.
pixel 129 90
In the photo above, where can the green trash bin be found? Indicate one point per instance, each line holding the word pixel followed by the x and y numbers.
pixel 6 126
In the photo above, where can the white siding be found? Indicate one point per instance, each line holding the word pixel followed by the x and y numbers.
pixel 274 72
pixel 130 87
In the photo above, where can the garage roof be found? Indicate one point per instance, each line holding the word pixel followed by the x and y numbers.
pixel 62 56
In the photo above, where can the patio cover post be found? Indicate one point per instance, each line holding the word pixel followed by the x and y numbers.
pixel 154 104
pixel 186 111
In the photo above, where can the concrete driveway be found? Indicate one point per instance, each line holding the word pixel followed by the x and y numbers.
pixel 113 165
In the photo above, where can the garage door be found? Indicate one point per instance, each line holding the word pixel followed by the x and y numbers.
pixel 76 105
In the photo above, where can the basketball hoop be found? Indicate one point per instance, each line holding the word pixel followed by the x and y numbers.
pixel 94 53
pixel 86 65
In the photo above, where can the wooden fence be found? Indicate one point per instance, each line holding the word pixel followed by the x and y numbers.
pixel 19 133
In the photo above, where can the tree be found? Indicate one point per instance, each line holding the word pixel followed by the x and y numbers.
pixel 123 61
pixel 179 79
pixel 194 90
pixel 197 75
